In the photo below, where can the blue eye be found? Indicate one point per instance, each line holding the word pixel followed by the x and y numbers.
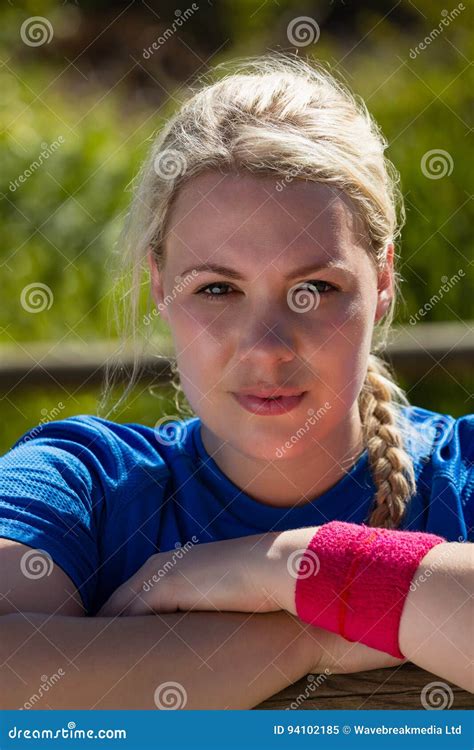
pixel 213 285
pixel 217 284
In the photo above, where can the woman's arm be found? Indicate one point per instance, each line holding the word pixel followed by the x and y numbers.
pixel 437 625
pixel 119 663
pixel 220 660
pixel 436 629
pixel 259 572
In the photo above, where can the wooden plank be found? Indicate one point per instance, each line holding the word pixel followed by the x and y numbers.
pixel 417 348
pixel 73 363
pixel 394 688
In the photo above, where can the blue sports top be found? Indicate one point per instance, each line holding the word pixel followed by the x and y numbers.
pixel 101 497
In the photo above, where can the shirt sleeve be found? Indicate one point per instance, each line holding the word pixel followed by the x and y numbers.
pixel 52 484
pixel 452 483
pixel 466 440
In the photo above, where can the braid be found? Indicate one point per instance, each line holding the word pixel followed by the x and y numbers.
pixel 391 465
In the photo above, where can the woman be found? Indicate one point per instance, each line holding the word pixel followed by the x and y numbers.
pixel 268 216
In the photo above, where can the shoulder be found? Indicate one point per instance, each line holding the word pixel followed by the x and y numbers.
pixel 432 436
pixel 102 462
pixel 68 487
pixel 112 449
pixel 442 449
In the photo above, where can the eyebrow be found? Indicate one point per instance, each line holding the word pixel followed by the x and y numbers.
pixel 233 274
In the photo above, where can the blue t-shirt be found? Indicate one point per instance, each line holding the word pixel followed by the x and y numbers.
pixel 101 497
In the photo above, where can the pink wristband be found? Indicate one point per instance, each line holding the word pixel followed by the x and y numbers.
pixel 360 582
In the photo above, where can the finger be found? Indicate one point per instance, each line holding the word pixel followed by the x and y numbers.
pixel 107 610
pixel 117 602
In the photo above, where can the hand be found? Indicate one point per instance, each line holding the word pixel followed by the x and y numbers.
pixel 247 574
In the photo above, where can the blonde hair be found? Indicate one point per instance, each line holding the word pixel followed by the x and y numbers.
pixel 278 114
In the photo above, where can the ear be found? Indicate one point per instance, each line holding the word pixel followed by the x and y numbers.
pixel 157 285
pixel 385 284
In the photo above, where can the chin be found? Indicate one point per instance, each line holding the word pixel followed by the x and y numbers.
pixel 266 442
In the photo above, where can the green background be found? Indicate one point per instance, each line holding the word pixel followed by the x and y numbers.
pixel 91 85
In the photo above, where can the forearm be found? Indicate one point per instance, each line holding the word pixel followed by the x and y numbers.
pixel 437 624
pixel 222 659
pixel 436 627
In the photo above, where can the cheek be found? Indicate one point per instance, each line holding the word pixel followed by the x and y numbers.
pixel 199 352
pixel 210 318
pixel 194 327
pixel 338 349
pixel 339 326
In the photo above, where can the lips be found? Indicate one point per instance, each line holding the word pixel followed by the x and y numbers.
pixel 268 406
pixel 270 392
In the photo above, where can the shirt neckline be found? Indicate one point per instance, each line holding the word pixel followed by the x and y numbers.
pixel 344 498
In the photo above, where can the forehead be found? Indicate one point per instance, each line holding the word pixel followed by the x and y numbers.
pixel 263 219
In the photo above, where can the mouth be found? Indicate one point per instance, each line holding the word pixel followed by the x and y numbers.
pixel 268 405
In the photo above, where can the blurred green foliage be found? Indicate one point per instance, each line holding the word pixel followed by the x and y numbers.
pixel 61 222
pixel 145 405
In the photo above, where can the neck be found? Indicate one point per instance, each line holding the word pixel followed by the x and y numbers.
pixel 291 481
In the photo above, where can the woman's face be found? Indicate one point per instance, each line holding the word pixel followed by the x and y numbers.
pixel 261 324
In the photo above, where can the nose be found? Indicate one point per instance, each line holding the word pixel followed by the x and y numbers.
pixel 267 337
